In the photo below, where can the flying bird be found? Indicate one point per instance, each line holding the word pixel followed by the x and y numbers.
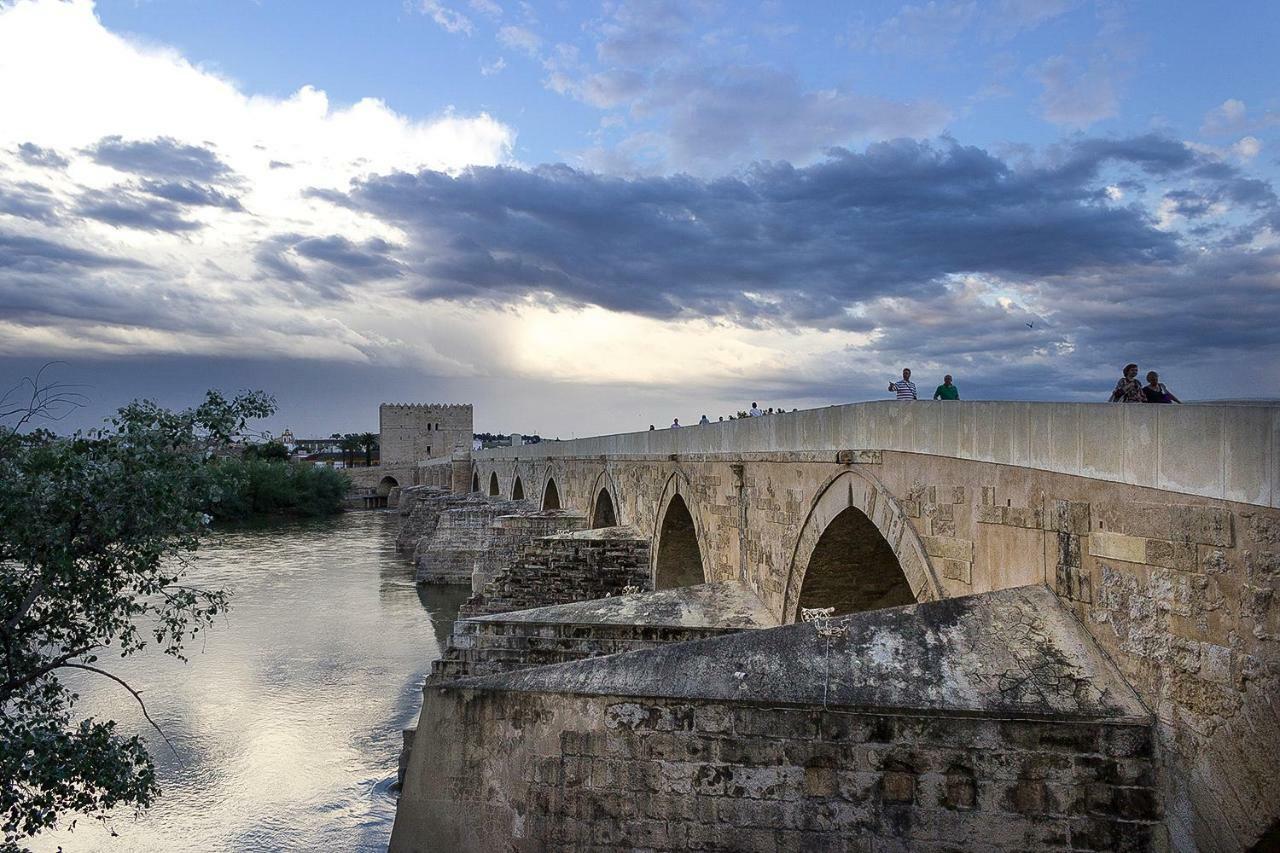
pixel 1031 325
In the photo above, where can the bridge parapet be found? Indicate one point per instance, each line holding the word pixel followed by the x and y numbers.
pixel 1215 451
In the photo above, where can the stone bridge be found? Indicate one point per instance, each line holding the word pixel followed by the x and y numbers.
pixel 1154 527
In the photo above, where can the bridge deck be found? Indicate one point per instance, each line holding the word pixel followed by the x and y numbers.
pixel 1216 451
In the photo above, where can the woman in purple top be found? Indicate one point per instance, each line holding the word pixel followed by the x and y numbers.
pixel 1156 392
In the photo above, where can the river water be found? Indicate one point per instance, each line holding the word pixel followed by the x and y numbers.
pixel 287 718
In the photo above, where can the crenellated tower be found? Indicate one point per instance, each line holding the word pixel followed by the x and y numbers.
pixel 416 432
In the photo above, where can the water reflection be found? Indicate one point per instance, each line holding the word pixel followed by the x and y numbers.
pixel 287 719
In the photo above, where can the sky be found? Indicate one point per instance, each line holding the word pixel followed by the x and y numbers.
pixel 592 217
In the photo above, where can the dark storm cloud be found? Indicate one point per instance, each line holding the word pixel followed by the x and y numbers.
pixel 159 158
pixel 28 200
pixel 123 209
pixel 34 155
pixel 191 194
pixel 777 242
pixel 24 254
pixel 334 262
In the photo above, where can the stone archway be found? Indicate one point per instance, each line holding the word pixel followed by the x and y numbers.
pixel 386 485
pixel 679 559
pixel 551 495
pixel 605 509
pixel 603 514
pixel 494 490
pixel 517 489
pixel 475 481
pixel 676 538
pixel 863 552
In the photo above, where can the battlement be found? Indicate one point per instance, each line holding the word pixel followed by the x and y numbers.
pixel 422 407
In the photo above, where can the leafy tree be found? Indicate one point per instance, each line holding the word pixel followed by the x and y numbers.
pixel 95 535
pixel 272 451
pixel 252 488
pixel 369 443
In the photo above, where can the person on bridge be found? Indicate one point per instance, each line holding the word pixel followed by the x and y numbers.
pixel 905 389
pixel 675 423
pixel 755 411
pixel 946 391
pixel 1128 389
pixel 1156 392
pixel 704 420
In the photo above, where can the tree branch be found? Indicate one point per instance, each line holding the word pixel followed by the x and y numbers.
pixel 136 695
pixel 32 595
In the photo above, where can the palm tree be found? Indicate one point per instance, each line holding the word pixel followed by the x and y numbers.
pixel 369 442
pixel 349 445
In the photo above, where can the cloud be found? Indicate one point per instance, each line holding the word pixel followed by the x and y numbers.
pixel 163 157
pixel 138 190
pixel 23 254
pixel 929 30
pixel 488 69
pixel 126 210
pixel 450 19
pixel 34 155
pixel 687 107
pixel 1077 95
pixel 520 38
pixel 28 200
pixel 191 194
pixel 802 246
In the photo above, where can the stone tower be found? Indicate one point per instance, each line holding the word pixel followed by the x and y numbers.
pixel 415 432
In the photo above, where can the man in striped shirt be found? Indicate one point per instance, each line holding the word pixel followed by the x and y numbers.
pixel 906 389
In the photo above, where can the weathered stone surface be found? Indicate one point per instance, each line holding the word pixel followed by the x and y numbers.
pixel 564 632
pixel 1016 650
pixel 574 566
pixel 463 539
pixel 722 758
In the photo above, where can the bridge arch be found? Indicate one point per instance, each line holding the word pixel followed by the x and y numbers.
pixel 551 495
pixel 517 489
pixel 678 557
pixel 494 490
pixel 386 484
pixel 605 509
pixel 854 517
pixel 475 480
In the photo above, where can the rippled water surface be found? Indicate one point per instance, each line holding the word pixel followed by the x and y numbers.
pixel 287 719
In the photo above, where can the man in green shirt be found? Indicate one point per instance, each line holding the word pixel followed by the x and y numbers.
pixel 947 391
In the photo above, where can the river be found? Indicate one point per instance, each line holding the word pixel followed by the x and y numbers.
pixel 287 718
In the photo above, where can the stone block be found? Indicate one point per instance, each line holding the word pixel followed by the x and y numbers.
pixel 956 570
pixel 949 548
pixel 1117 546
pixel 988 514
pixel 988 495
pixel 820 782
pixel 1171 555
pixel 1021 516
pixel 898 786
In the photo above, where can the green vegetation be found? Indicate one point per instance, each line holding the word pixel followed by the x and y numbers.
pixel 96 534
pixel 258 485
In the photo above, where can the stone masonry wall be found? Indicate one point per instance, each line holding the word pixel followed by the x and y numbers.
pixel 462 540
pixel 521 771
pixel 510 532
pixel 420 509
pixel 1182 591
pixel 410 432
pixel 565 568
